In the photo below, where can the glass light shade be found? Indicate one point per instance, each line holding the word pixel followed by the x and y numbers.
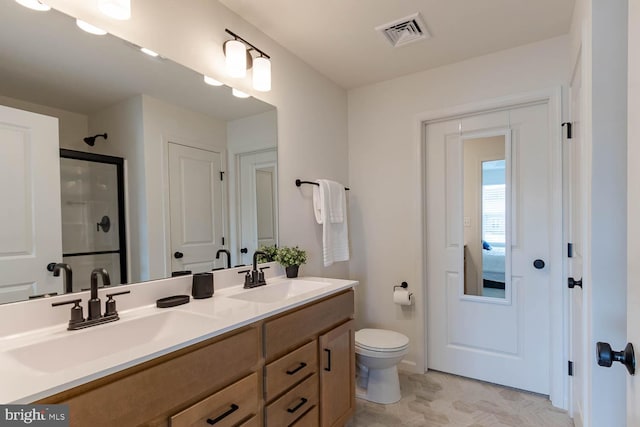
pixel 211 81
pixel 34 4
pixel 116 9
pixel 92 29
pixel 149 52
pixel 262 74
pixel 239 93
pixel 236 58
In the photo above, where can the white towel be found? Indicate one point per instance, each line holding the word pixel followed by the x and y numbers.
pixel 330 209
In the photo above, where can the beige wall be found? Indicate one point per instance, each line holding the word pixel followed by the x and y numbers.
pixel 385 171
pixel 312 111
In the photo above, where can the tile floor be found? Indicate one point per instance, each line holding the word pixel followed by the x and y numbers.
pixel 438 399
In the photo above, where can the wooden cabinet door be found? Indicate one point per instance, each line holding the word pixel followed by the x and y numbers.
pixel 337 375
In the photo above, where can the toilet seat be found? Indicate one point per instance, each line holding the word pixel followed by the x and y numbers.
pixel 381 340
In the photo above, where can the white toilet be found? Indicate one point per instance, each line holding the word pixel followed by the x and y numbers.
pixel 378 353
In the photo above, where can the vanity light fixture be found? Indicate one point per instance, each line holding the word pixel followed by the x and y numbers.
pixel 235 58
pixel 262 74
pixel 238 60
pixel 239 94
pixel 116 9
pixel 91 29
pixel 35 5
pixel 149 52
pixel 211 81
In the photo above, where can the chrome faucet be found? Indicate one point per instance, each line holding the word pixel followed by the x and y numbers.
pixel 94 302
pixel 68 275
pixel 224 251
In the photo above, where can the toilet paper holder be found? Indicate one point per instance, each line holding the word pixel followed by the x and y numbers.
pixel 403 285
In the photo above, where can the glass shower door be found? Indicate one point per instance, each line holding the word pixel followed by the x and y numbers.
pixel 92 197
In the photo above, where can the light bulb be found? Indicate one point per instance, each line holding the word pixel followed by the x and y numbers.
pixel 34 4
pixel 211 81
pixel 116 9
pixel 236 58
pixel 239 93
pixel 92 29
pixel 262 74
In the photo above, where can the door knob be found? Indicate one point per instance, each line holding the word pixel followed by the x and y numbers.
pixel 606 356
pixel 244 250
pixel 178 255
pixel 539 264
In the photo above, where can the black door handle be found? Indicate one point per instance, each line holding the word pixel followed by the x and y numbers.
pixel 328 368
pixel 244 250
pixel 606 356
pixel 539 264
pixel 178 255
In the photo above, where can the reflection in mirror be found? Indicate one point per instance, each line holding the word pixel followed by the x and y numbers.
pixel 485 216
pixel 173 131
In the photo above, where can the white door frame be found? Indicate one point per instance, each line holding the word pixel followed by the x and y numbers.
pixel 559 296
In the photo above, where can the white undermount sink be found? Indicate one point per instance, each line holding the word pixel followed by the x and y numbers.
pixel 279 291
pixel 78 347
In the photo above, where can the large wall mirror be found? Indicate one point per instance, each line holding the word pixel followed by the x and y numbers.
pixel 200 165
pixel 486 216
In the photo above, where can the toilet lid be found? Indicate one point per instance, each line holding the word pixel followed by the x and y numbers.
pixel 380 340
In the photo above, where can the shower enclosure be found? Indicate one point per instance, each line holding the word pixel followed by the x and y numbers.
pixel 93 219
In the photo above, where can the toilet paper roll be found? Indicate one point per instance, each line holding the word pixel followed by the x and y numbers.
pixel 402 297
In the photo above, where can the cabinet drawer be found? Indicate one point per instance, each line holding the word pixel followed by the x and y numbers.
pixel 285 410
pixel 290 330
pixel 310 419
pixel 253 422
pixel 291 369
pixel 224 408
pixel 205 369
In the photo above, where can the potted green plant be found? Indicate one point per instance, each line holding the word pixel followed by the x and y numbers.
pixel 291 258
pixel 269 253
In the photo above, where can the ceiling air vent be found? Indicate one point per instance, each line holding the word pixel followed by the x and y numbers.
pixel 405 30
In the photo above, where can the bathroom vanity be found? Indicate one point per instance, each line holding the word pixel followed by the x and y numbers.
pixel 285 356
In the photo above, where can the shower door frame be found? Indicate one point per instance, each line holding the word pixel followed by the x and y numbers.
pixel 122 234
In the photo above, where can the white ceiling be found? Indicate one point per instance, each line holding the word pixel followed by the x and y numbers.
pixel 46 59
pixel 338 37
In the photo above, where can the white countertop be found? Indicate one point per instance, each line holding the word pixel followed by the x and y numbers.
pixel 41 362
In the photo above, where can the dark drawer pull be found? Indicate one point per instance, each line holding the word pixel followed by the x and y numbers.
pixel 301 366
pixel 328 368
pixel 295 408
pixel 219 418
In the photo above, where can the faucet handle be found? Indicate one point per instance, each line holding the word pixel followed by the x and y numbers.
pixel 110 305
pixel 247 278
pixel 261 274
pixel 76 311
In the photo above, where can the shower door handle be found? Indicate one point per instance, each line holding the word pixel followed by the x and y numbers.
pixel 105 224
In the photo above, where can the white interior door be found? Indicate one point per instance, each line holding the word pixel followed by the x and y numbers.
pixel 575 207
pixel 502 338
pixel 257 200
pixel 195 198
pixel 30 224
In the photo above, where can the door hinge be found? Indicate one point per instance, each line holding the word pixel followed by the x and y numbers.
pixel 568 124
pixel 221 176
pixel 573 283
pixel 570 250
pixel 570 368
pixel 223 241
